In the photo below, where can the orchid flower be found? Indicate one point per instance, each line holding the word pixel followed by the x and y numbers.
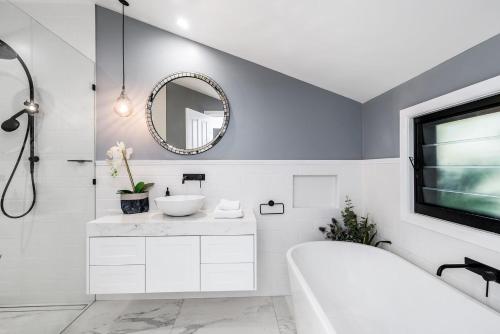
pixel 118 155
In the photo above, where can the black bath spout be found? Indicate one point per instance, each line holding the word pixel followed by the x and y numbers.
pixel 453 266
pixel 489 274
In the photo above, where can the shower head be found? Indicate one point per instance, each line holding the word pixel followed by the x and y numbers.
pixel 12 123
pixel 6 52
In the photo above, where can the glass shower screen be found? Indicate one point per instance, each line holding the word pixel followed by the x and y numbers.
pixel 43 253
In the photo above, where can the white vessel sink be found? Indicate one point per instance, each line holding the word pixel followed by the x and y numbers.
pixel 180 205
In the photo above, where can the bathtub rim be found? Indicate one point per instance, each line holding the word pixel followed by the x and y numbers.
pixel 317 306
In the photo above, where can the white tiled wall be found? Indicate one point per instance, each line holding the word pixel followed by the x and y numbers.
pixel 425 248
pixel 252 182
pixel 43 254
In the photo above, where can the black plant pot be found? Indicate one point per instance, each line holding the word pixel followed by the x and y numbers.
pixel 134 203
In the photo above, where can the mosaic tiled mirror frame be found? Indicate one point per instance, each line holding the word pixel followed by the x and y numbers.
pixel 149 115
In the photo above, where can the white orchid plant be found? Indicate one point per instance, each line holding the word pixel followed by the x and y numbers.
pixel 119 155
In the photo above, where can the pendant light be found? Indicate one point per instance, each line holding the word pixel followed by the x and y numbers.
pixel 123 105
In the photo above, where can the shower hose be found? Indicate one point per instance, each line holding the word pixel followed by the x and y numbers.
pixel 32 159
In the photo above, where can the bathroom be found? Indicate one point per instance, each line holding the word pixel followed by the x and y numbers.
pixel 311 111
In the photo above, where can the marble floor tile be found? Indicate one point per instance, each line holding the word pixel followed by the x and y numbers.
pixel 253 315
pixel 50 321
pixel 124 317
pixel 284 315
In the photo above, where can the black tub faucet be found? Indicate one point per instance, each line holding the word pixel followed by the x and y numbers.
pixel 455 266
pixel 489 274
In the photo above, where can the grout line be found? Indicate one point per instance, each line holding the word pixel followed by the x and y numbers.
pixel 78 316
pixel 177 315
pixel 290 317
pixel 275 314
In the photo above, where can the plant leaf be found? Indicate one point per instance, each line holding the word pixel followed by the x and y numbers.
pixel 148 186
pixel 139 187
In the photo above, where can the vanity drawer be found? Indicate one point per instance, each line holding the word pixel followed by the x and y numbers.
pixel 227 277
pixel 117 250
pixel 117 279
pixel 227 249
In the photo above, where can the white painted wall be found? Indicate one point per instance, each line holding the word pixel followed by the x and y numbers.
pixel 426 248
pixel 252 182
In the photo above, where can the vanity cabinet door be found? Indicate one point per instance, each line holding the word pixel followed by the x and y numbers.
pixel 227 277
pixel 172 264
pixel 227 249
pixel 116 279
pixel 113 251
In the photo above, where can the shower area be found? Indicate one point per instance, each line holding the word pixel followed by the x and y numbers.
pixel 42 239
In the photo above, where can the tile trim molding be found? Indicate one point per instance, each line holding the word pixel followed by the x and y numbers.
pixel 237 162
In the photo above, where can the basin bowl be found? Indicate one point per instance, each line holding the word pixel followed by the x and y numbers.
pixel 180 205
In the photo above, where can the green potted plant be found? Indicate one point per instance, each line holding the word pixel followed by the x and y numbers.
pixel 135 199
pixel 353 229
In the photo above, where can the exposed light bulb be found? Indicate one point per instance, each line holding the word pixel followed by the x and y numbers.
pixel 123 105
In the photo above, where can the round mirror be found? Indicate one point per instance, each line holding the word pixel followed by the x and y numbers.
pixel 187 113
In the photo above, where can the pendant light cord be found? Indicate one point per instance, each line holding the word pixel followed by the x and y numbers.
pixel 123 47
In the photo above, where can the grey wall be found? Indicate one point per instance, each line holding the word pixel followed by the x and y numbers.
pixel 273 116
pixel 381 114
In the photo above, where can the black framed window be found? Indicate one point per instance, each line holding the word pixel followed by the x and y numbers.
pixel 457 164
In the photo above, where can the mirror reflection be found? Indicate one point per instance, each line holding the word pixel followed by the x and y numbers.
pixel 187 113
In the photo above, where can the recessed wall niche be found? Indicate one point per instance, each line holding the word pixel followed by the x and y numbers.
pixel 315 191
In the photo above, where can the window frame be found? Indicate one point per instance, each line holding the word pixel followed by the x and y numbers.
pixel 461 217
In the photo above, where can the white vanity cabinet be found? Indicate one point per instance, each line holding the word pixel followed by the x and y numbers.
pixel 172 264
pixel 116 265
pixel 131 255
pixel 227 263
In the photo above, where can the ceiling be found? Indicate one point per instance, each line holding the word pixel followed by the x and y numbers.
pixel 356 48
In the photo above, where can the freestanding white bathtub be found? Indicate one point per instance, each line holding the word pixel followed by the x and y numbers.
pixel 347 288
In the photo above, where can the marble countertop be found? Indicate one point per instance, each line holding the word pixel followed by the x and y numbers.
pixel 155 223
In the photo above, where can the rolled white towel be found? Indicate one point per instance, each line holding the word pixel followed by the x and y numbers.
pixel 228 214
pixel 225 204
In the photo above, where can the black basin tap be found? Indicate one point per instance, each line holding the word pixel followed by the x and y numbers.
pixel 193 177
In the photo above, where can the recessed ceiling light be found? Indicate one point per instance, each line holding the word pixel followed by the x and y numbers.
pixel 183 23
